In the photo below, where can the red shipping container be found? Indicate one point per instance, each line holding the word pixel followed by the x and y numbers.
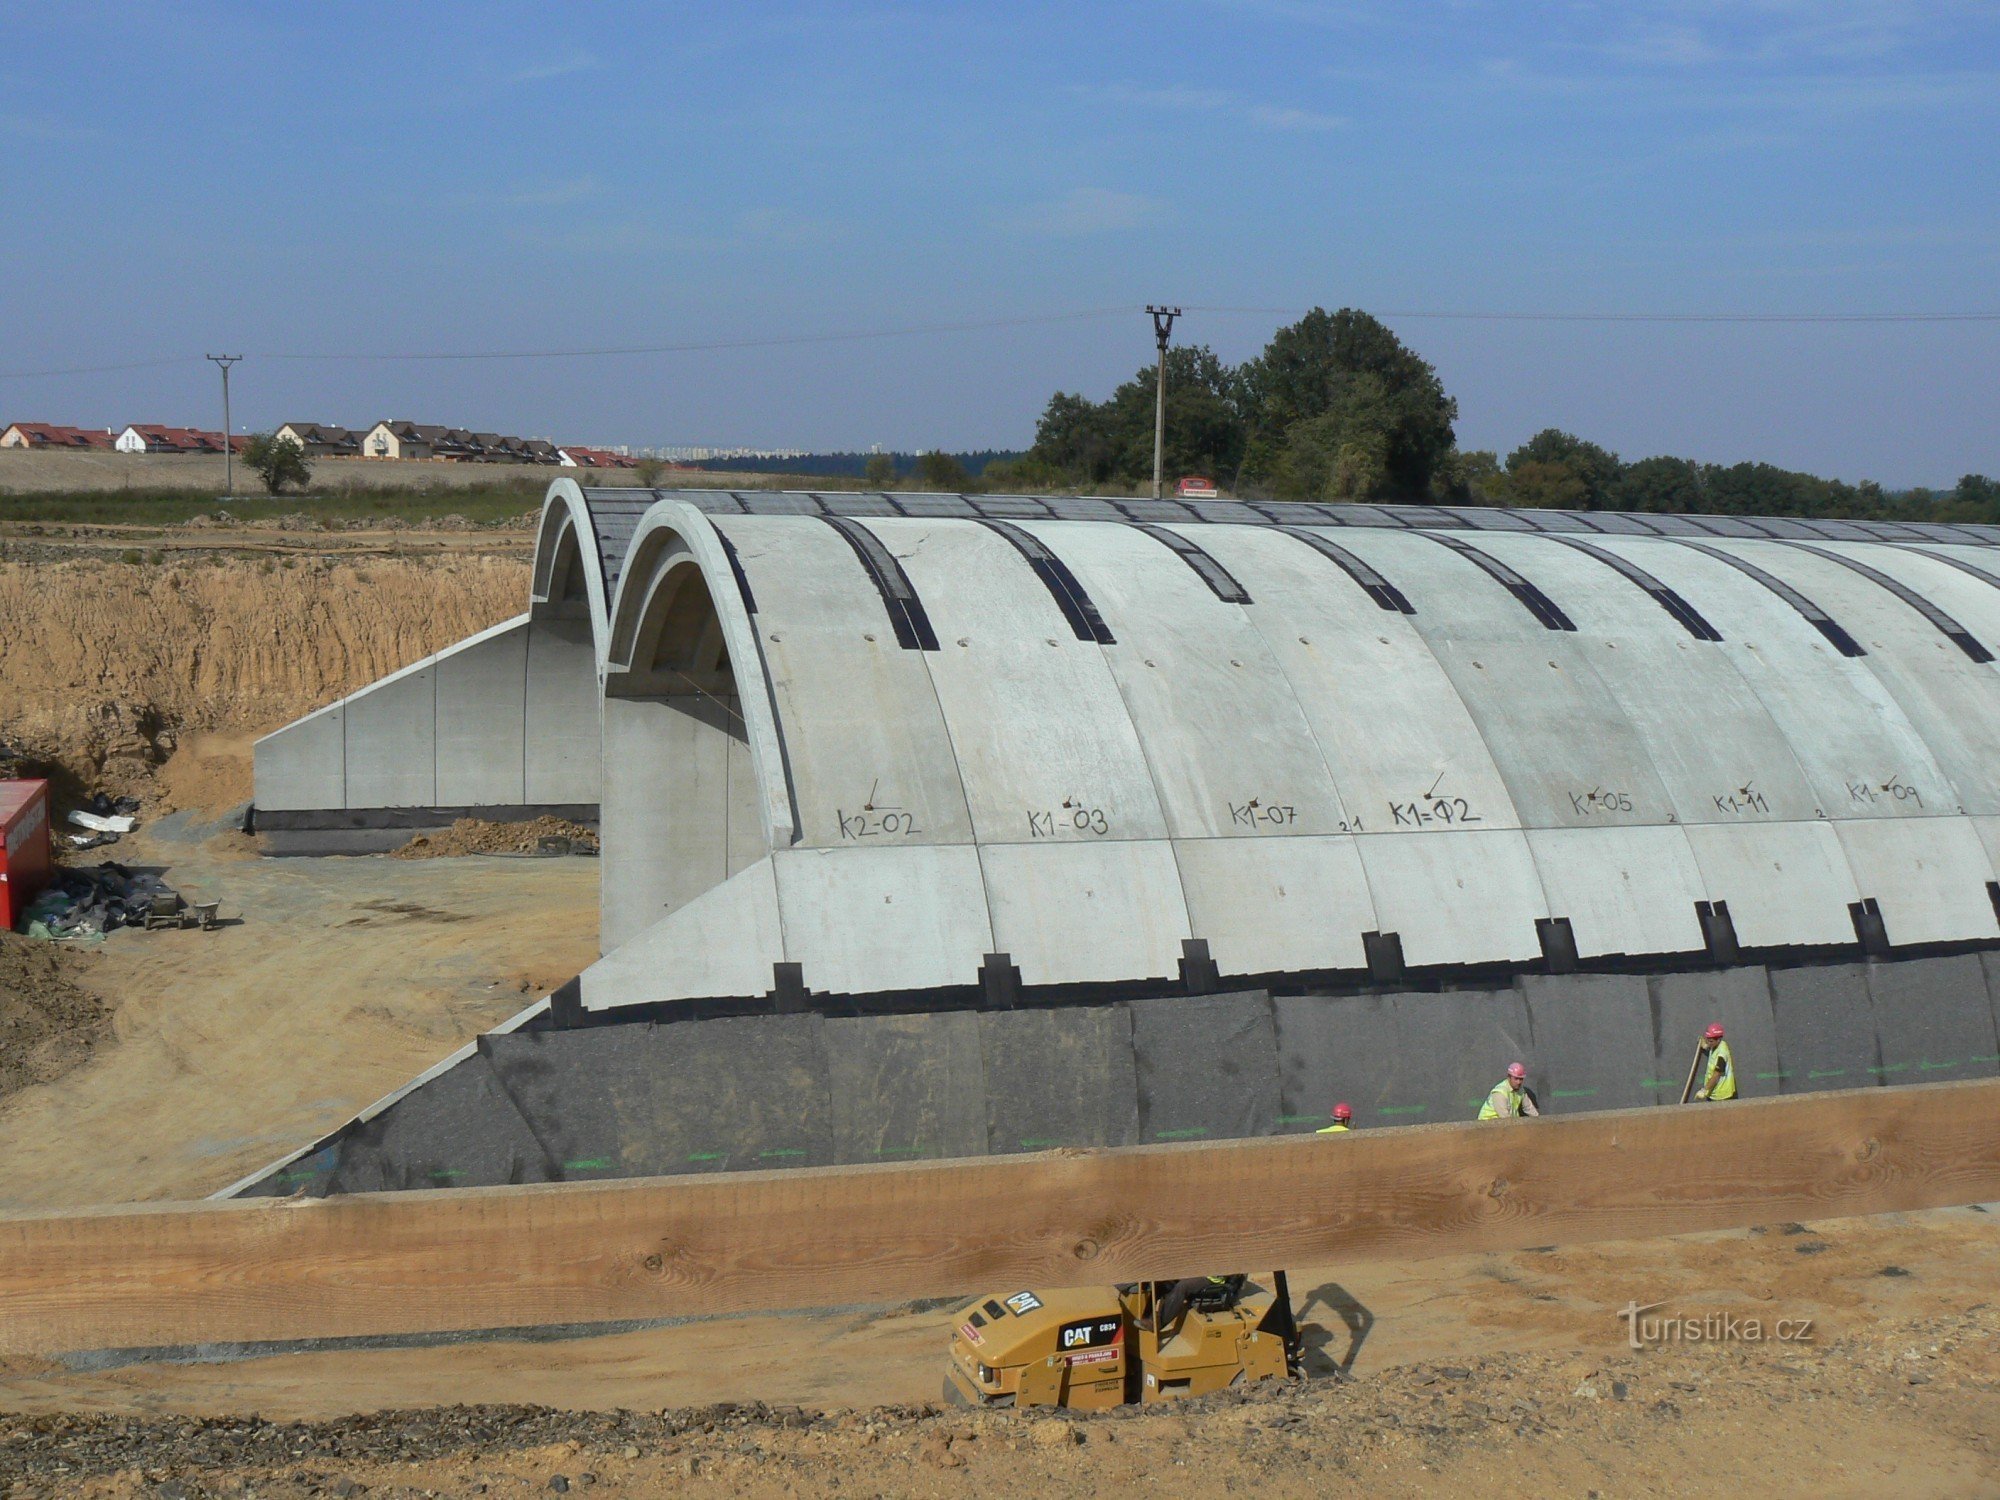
pixel 24 867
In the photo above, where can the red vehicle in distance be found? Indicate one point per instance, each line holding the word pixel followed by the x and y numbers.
pixel 1196 487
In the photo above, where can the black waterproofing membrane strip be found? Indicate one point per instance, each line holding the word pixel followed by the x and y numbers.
pixel 1690 618
pixel 1948 627
pixel 1385 594
pixel 899 597
pixel 1062 584
pixel 1820 620
pixel 1537 603
pixel 1218 578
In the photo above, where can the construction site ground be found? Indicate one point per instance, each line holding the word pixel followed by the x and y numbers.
pixel 335 981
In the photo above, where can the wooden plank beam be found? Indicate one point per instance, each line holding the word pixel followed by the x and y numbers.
pixel 400 1263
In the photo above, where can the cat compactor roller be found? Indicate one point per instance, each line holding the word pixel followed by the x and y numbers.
pixel 1097 1347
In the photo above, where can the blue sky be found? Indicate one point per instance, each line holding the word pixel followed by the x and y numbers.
pixel 290 180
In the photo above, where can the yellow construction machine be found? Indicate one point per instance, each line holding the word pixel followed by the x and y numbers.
pixel 1096 1347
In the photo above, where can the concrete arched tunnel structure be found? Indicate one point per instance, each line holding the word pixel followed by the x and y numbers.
pixel 937 825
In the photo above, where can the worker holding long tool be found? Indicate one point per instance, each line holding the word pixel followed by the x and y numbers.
pixel 1719 1074
pixel 1343 1120
pixel 1510 1098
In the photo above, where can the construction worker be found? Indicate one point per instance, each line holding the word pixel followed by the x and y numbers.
pixel 1719 1076
pixel 1509 1099
pixel 1343 1116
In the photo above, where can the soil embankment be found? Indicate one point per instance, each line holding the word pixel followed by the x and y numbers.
pixel 48 1023
pixel 107 666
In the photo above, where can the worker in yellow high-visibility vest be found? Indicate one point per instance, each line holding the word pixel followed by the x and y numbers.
pixel 1343 1119
pixel 1509 1099
pixel 1719 1070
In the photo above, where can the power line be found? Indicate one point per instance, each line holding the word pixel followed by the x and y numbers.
pixel 1611 317
pixel 918 330
pixel 848 336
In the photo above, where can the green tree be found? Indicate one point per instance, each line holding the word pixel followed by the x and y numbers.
pixel 937 470
pixel 278 461
pixel 1470 478
pixel 648 471
pixel 1662 485
pixel 1388 408
pixel 1531 469
pixel 1096 443
pixel 880 471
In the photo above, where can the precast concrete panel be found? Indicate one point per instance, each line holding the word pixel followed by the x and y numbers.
pixel 1278 905
pixel 1786 884
pixel 664 815
pixel 1331 1050
pixel 1086 913
pixel 1389 724
pixel 392 741
pixel 1972 601
pixel 746 825
pixel 1045 747
pixel 1566 752
pixel 906 1087
pixel 1686 1005
pixel 1059 1078
pixel 1624 890
pixel 865 920
pixel 720 945
pixel 1463 897
pixel 870 758
pixel 1206 1067
pixel 564 723
pixel 1952 701
pixel 1229 748
pixel 1826 1028
pixel 1452 1048
pixel 1932 1019
pixel 1845 730
pixel 304 765
pixel 482 707
pixel 1713 744
pixel 1929 874
pixel 1592 1040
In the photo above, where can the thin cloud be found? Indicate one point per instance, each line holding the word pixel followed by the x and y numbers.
pixel 1185 99
pixel 580 62
pixel 1087 211
pixel 559 194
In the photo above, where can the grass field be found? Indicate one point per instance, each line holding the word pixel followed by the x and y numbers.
pixel 172 507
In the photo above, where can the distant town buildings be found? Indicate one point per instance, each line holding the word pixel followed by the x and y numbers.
pixel 391 439
pixel 47 435
pixel 151 437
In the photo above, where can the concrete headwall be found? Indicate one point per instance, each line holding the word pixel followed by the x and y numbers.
pixel 504 722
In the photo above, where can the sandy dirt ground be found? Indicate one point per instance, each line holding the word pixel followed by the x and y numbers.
pixel 1512 1369
pixel 333 982
pixel 29 470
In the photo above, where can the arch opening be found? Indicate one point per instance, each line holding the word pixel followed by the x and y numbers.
pixel 680 797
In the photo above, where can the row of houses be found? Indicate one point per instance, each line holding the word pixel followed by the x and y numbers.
pixel 423 440
pixel 140 437
pixel 410 440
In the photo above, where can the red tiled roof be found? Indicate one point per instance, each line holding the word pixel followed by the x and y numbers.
pixel 50 435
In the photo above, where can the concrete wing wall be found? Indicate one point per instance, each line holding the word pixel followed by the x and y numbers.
pixel 505 719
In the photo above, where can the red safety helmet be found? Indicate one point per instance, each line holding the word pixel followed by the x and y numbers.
pixel 1343 1111
pixel 1516 1070
pixel 1714 1033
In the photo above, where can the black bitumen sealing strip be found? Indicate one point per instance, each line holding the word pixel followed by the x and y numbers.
pixel 1272 513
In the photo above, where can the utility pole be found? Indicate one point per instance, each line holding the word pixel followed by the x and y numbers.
pixel 1163 329
pixel 223 362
